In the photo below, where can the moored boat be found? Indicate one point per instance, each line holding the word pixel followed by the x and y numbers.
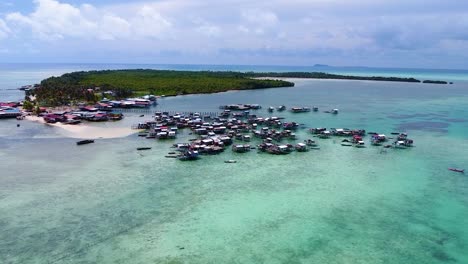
pixel 300 109
pixel 457 170
pixel 240 148
pixel 403 144
pixel 301 147
pixel 189 155
pixel 378 139
pixel 144 148
pixel 360 144
pixel 310 143
pixel 83 142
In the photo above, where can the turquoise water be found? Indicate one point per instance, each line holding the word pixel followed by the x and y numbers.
pixel 106 203
pixel 13 76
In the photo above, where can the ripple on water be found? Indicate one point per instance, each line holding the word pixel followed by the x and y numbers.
pixel 430 126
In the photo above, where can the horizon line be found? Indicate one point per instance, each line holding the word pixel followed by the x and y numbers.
pixel 317 65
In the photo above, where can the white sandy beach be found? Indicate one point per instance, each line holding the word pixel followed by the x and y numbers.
pixel 87 131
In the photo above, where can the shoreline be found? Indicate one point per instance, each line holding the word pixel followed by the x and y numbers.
pixel 85 131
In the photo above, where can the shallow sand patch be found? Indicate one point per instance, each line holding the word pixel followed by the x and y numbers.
pixel 86 130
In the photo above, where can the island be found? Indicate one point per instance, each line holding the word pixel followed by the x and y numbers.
pixel 93 86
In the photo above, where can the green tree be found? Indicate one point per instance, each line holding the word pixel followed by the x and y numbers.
pixel 28 106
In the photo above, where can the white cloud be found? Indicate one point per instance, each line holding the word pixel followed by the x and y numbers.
pixel 258 21
pixel 293 29
pixel 259 17
pixel 149 23
pixel 205 28
pixel 4 29
pixel 55 20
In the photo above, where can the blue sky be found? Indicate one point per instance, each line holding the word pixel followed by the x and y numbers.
pixel 383 33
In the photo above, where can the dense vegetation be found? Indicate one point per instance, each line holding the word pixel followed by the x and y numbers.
pixel 81 86
pixel 178 82
pixel 63 90
pixel 323 75
pixel 434 82
pixel 76 87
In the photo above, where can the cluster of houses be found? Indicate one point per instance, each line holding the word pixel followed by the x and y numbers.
pixel 216 133
pixel 141 102
pixel 10 110
pixel 236 126
pixel 85 113
pixel 241 107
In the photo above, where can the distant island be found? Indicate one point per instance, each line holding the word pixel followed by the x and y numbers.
pixel 92 86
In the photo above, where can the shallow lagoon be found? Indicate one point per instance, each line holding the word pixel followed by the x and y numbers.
pixel 107 203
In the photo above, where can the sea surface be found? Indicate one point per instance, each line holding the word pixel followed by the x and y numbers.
pixel 107 203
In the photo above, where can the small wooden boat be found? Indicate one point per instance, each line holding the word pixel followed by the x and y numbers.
pixel 144 148
pixel 457 170
pixel 86 141
pixel 395 133
pixel 230 161
pixel 72 122
pixel 346 144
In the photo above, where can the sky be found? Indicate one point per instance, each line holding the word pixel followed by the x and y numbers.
pixel 379 33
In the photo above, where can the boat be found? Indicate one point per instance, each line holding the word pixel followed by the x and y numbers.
pixel 360 144
pixel 281 108
pixel 162 135
pixel 240 148
pixel 171 135
pixel 457 170
pixel 301 147
pixel 318 130
pixel 334 111
pixel 356 139
pixel 378 139
pixel 310 143
pixel 189 155
pixel 144 148
pixel 325 134
pixel 72 122
pixel 300 109
pixel 315 109
pixel 271 109
pixel 83 142
pixel 246 138
pixel 230 161
pixel 345 144
pixel 283 149
pixel 402 144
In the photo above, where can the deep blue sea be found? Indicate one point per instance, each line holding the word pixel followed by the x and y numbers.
pixel 108 203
